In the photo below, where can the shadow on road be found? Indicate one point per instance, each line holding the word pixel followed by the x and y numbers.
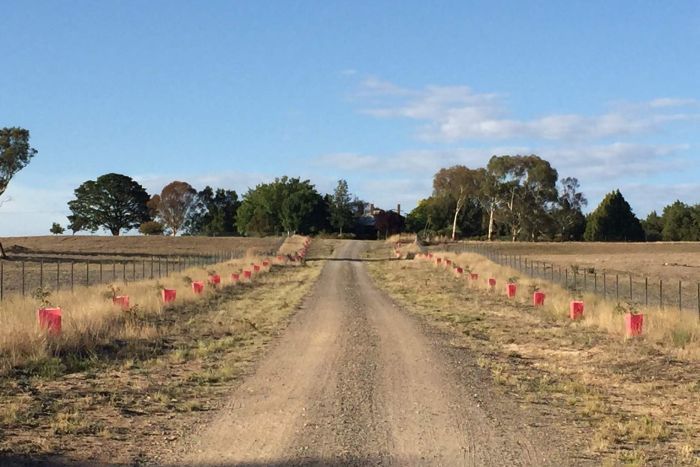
pixel 13 460
pixel 358 260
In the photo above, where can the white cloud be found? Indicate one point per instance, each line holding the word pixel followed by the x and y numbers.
pixel 454 113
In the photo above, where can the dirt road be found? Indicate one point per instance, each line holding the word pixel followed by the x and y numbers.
pixel 355 380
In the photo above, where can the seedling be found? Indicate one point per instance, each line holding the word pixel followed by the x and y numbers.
pixel 512 280
pixel 111 292
pixel 626 308
pixel 42 295
pixel 187 280
pixel 533 288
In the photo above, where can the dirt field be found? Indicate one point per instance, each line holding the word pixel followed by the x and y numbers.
pixel 672 261
pixel 124 246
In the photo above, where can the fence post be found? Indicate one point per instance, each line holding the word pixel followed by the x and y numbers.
pixel 87 273
pixel 631 296
pixel 566 277
pixel 617 287
pixel 166 267
pixel 605 286
pixel 41 274
pixel 661 294
pixel 72 275
pixel 2 281
pixel 646 291
pixel 124 271
pixel 133 270
pixel 23 278
pixel 595 282
pixel 58 275
pixel 101 280
pixel 699 300
pixel 680 296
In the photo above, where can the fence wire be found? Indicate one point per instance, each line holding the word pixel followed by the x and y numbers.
pixel 620 287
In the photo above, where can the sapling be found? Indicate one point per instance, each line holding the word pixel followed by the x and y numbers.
pixel 187 280
pixel 627 308
pixel 576 293
pixel 512 280
pixel 111 292
pixel 42 295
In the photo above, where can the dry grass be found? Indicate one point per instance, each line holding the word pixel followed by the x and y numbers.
pixel 678 330
pixel 132 394
pixel 90 320
pixel 672 261
pixel 622 400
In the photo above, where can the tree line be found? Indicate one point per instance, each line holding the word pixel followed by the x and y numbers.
pixel 117 203
pixel 513 197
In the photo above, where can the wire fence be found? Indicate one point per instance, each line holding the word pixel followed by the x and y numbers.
pixel 22 277
pixel 620 287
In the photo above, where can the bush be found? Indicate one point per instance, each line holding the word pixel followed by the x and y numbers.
pixel 151 228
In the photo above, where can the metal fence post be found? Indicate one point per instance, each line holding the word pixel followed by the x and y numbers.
pixel 41 274
pixel 680 295
pixel 617 287
pixel 87 273
pixel 72 275
pixel 23 278
pixel 58 275
pixel 661 294
pixel 2 281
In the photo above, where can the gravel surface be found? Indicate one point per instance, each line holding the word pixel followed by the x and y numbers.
pixel 355 380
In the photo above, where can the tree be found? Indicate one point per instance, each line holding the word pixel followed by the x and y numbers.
pixel 215 213
pixel 287 204
pixel 613 220
pixel 679 223
pixel 652 225
pixel 75 224
pixel 341 214
pixel 458 184
pixel 175 205
pixel 151 228
pixel 522 190
pixel 388 223
pixel 114 202
pixel 56 229
pixel 568 215
pixel 15 154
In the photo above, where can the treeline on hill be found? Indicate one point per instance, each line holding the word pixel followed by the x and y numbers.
pixel 117 203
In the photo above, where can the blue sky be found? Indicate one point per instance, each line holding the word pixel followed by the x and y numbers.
pixel 382 94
